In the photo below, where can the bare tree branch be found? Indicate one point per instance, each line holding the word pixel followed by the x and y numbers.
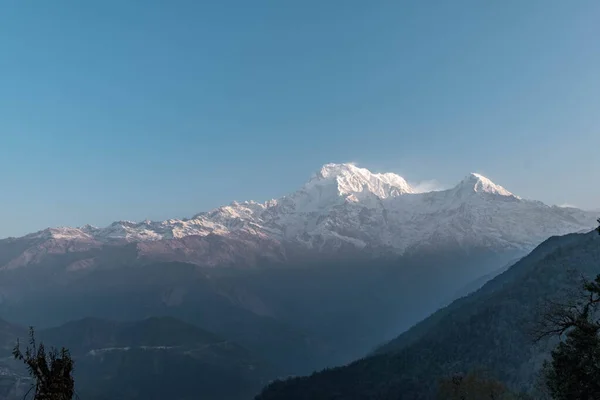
pixel 29 391
pixel 556 318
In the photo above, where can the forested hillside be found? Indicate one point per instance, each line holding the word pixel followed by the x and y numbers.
pixel 490 329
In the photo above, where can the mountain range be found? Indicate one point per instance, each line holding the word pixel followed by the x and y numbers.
pixel 341 207
pixel 314 279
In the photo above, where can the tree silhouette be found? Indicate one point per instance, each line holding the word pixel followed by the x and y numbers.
pixel 574 370
pixel 51 371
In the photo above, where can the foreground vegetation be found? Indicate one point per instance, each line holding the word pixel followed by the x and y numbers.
pixel 52 371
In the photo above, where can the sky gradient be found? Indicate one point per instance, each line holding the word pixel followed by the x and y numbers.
pixel 151 109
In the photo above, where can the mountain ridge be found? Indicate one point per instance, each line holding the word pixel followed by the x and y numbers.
pixel 341 207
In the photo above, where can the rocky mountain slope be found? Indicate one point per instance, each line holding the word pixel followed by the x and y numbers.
pixel 489 329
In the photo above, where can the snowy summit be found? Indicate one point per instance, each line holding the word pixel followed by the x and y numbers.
pixel 481 184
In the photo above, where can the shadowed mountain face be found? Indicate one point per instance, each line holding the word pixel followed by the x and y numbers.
pixel 156 358
pixel 298 316
pixel 489 328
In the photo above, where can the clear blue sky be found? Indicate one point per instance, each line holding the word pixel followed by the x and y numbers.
pixel 154 109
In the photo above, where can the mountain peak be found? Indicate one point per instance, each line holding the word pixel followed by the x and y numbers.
pixel 335 184
pixel 351 179
pixel 332 170
pixel 480 184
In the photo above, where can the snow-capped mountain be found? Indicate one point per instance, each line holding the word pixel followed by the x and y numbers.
pixel 341 206
pixel 319 277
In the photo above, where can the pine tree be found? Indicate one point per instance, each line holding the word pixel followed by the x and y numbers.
pixel 51 371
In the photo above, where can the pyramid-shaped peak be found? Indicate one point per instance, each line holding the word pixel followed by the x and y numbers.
pixel 480 184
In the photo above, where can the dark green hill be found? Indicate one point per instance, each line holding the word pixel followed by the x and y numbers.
pixel 93 333
pixel 488 329
pixel 156 358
